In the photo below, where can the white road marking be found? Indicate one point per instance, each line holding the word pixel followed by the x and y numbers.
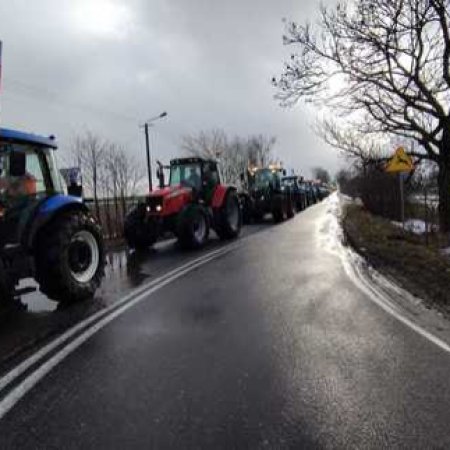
pixel 31 380
pixel 331 227
pixel 42 353
pixel 381 300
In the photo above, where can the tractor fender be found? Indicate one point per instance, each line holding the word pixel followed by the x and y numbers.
pixel 49 209
pixel 219 195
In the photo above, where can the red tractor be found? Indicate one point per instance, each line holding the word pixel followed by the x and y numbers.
pixel 192 203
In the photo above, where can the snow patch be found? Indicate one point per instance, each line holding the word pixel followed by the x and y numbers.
pixel 416 226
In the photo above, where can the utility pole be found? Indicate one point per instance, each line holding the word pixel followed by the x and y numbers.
pixel 147 148
pixel 149 163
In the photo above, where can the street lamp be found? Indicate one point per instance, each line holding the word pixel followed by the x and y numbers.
pixel 148 123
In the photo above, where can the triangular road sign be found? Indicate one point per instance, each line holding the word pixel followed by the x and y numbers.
pixel 400 162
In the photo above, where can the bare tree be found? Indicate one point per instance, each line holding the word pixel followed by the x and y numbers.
pixel 89 151
pixel 259 149
pixel 206 144
pixel 319 173
pixel 235 155
pixel 385 65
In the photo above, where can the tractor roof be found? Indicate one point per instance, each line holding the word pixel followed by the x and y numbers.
pixel 27 138
pixel 190 160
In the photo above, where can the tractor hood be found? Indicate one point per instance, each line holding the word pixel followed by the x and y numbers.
pixel 170 191
pixel 168 200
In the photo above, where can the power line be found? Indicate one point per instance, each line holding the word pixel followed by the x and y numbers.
pixel 39 93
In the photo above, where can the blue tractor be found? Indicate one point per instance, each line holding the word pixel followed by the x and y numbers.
pixel 44 233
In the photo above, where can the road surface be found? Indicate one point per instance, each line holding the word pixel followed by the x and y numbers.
pixel 269 345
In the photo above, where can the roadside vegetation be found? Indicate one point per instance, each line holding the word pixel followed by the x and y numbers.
pixel 418 266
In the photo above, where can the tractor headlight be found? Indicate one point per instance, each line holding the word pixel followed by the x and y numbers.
pixel 262 198
pixel 148 209
pixel 158 208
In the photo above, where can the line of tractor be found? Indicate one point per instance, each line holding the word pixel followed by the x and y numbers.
pixel 48 233
pixel 195 200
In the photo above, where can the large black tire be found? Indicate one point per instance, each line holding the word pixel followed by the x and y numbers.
pixel 139 232
pixel 228 218
pixel 278 208
pixel 70 257
pixel 246 208
pixel 6 286
pixel 193 227
pixel 290 208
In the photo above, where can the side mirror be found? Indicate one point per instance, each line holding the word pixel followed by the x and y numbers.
pixel 284 172
pixel 17 164
pixel 242 177
pixel 160 176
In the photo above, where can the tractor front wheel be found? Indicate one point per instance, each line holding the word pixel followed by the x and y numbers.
pixel 228 218
pixel 193 228
pixel 70 258
pixel 139 232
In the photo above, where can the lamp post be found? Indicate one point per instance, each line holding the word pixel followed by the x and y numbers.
pixel 147 147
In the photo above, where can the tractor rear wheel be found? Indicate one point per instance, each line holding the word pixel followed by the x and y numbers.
pixel 228 218
pixel 290 208
pixel 138 233
pixel 278 208
pixel 70 259
pixel 6 286
pixel 193 227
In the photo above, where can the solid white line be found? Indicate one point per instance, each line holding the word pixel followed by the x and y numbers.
pixel 381 300
pixel 361 281
pixel 36 357
pixel 31 380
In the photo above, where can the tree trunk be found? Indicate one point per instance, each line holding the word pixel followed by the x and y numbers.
pixel 444 182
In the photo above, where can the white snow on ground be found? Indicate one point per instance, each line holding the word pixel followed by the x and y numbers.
pixel 416 226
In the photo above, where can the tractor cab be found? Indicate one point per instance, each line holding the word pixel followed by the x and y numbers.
pixel 28 176
pixel 200 174
pixel 265 178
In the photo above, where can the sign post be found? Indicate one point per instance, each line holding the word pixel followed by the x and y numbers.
pixel 400 163
pixel 402 199
pixel 0 77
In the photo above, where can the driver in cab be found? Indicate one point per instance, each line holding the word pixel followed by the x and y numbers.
pixel 193 179
pixel 18 182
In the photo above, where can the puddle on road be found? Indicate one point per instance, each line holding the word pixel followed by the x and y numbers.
pixel 35 301
pixel 123 270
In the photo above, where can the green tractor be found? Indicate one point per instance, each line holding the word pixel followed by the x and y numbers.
pixel 266 194
pixel 44 233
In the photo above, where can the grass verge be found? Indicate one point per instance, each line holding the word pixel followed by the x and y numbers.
pixel 400 255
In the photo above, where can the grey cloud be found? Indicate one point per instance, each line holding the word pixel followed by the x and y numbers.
pixel 208 63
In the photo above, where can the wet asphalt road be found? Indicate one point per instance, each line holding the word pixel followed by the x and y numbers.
pixel 269 346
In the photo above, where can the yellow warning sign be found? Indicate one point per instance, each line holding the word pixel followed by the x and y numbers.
pixel 400 162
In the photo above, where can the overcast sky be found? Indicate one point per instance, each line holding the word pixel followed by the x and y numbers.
pixel 107 65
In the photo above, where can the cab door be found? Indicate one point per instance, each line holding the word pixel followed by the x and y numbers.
pixel 24 183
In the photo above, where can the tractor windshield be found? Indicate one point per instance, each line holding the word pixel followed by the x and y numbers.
pixel 263 178
pixel 186 175
pixel 25 172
